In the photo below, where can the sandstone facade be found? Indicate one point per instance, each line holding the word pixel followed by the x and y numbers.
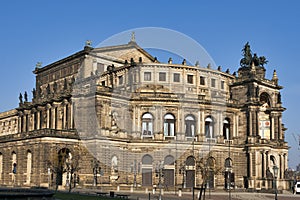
pixel 130 120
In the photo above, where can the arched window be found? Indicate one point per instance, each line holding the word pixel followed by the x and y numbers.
pixel 14 162
pixel 190 161
pixel 265 98
pixel 169 160
pixel 147 160
pixel 226 129
pixel 273 160
pixel 147 124
pixel 228 163
pixel 169 125
pixel 190 126
pixel 209 131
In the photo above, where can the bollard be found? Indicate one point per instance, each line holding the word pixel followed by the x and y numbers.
pixel 179 193
pixel 131 189
pixel 118 188
pixel 149 195
pixel 153 191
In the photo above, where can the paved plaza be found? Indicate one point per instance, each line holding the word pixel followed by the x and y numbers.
pixel 214 195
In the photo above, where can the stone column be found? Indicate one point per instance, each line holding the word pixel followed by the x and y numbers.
pixel 202 127
pixel 250 164
pixel 48 107
pixel 280 133
pixel 71 116
pixel 24 125
pixel 273 132
pixel 199 125
pixel 250 123
pixel 220 123
pixel 20 123
pixel 262 164
pixel 64 103
pixel 38 119
pixel 138 121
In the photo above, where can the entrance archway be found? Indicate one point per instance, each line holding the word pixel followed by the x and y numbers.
pixel 190 172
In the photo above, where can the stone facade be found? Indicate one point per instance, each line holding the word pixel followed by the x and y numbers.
pixel 117 116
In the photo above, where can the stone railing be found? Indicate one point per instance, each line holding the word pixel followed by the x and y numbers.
pixel 72 134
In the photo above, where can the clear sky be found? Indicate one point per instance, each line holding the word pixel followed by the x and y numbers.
pixel 45 31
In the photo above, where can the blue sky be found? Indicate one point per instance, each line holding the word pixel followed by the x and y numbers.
pixel 46 31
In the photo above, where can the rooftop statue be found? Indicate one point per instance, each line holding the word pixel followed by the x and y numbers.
pixel 249 59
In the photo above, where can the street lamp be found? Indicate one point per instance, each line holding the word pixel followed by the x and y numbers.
pixel 228 177
pixel 159 173
pixel 275 169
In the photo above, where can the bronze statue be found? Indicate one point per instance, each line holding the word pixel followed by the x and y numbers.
pixel 33 93
pixel 25 97
pixel 249 59
pixel 20 98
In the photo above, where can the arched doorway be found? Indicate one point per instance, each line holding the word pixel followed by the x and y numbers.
pixel 211 172
pixel 147 170
pixel 61 176
pixel 169 171
pixel 190 172
pixel 228 175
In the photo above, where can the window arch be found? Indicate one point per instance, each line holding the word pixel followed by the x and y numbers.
pixel 147 124
pixel 265 98
pixel 273 160
pixel 226 129
pixel 209 130
pixel 190 161
pixel 169 160
pixel 190 126
pixel 147 160
pixel 169 125
pixel 228 163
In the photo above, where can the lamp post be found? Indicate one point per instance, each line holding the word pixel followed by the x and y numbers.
pixel 159 173
pixel 275 169
pixel 228 177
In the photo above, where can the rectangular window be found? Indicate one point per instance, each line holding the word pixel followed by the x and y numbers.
pixel 202 80
pixel 213 82
pixel 222 85
pixel 176 77
pixel 162 76
pixel 103 83
pixel 120 80
pixel 147 76
pixel 190 79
